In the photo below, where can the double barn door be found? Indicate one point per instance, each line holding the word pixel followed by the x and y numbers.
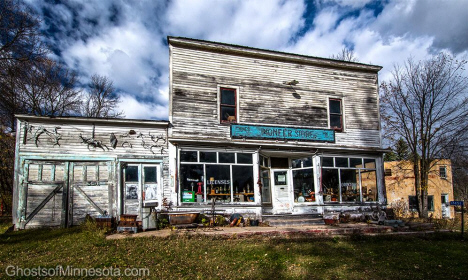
pixel 63 193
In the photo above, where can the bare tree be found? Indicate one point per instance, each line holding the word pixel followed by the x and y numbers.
pixel 346 55
pixel 426 104
pixel 20 38
pixel 101 100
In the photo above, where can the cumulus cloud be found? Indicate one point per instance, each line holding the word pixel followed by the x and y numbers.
pixel 126 40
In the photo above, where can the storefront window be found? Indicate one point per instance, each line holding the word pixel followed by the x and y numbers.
pixel 243 183
pixel 188 156
pixel 369 185
pixel 244 158
pixel 327 161
pixel 330 183
pixel 226 157
pixel 349 179
pixel 219 182
pixel 216 177
pixel 207 156
pixel 349 185
pixel 190 177
pixel 303 183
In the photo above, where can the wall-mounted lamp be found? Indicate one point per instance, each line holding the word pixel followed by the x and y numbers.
pixel 291 83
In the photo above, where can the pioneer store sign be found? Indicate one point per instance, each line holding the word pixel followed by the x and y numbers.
pixel 282 133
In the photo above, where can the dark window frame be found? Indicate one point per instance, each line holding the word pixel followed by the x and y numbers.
pixel 444 175
pixel 221 105
pixel 340 114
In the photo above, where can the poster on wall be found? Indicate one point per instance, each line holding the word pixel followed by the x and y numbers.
pixel 131 191
pixel 151 191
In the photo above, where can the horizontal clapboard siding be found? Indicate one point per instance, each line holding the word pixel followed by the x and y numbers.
pixel 71 143
pixel 264 99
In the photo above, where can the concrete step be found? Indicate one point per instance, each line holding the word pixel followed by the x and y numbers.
pixel 293 220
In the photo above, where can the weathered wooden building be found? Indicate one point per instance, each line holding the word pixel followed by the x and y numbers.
pixel 67 168
pixel 266 132
pixel 258 132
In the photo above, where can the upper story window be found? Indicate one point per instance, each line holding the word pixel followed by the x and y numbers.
pixel 443 171
pixel 228 105
pixel 335 110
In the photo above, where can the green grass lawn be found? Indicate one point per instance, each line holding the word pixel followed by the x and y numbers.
pixel 439 256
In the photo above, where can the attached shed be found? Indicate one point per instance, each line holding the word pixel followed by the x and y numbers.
pixel 67 168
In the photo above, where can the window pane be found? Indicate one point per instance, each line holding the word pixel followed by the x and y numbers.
pixel 131 174
pixel 303 183
pixel 281 178
pixel 219 182
pixel 226 158
pixel 262 161
pixel 188 156
pixel 330 183
pixel 327 161
pixel 341 162
pixel 369 185
pixel 244 158
pixel 369 163
pixel 266 192
pixel 335 121
pixel 150 174
pixel 355 162
pixel 150 187
pixel 413 202
pixel 207 156
pixel 430 203
pixel 335 106
pixel 279 162
pixel 242 178
pixel 442 172
pixel 349 185
pixel 190 175
pixel 228 96
pixel 300 163
pixel 228 113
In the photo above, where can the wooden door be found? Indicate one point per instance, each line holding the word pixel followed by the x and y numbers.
pixel 90 191
pixel 46 194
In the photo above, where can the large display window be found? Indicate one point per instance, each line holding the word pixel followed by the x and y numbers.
pixel 349 180
pixel 303 180
pixel 226 177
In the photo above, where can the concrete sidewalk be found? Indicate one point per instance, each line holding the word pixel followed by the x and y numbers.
pixel 312 230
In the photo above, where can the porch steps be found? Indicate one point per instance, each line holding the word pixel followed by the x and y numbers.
pixel 282 220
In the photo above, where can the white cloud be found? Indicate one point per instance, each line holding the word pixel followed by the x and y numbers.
pixel 252 23
pixel 126 41
pixel 135 109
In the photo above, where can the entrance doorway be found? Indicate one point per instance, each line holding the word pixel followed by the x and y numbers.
pixel 141 187
pixel 281 191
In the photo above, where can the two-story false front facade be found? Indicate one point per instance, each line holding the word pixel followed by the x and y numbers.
pixel 265 132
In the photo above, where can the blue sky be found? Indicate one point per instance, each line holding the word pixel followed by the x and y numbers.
pixel 126 40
